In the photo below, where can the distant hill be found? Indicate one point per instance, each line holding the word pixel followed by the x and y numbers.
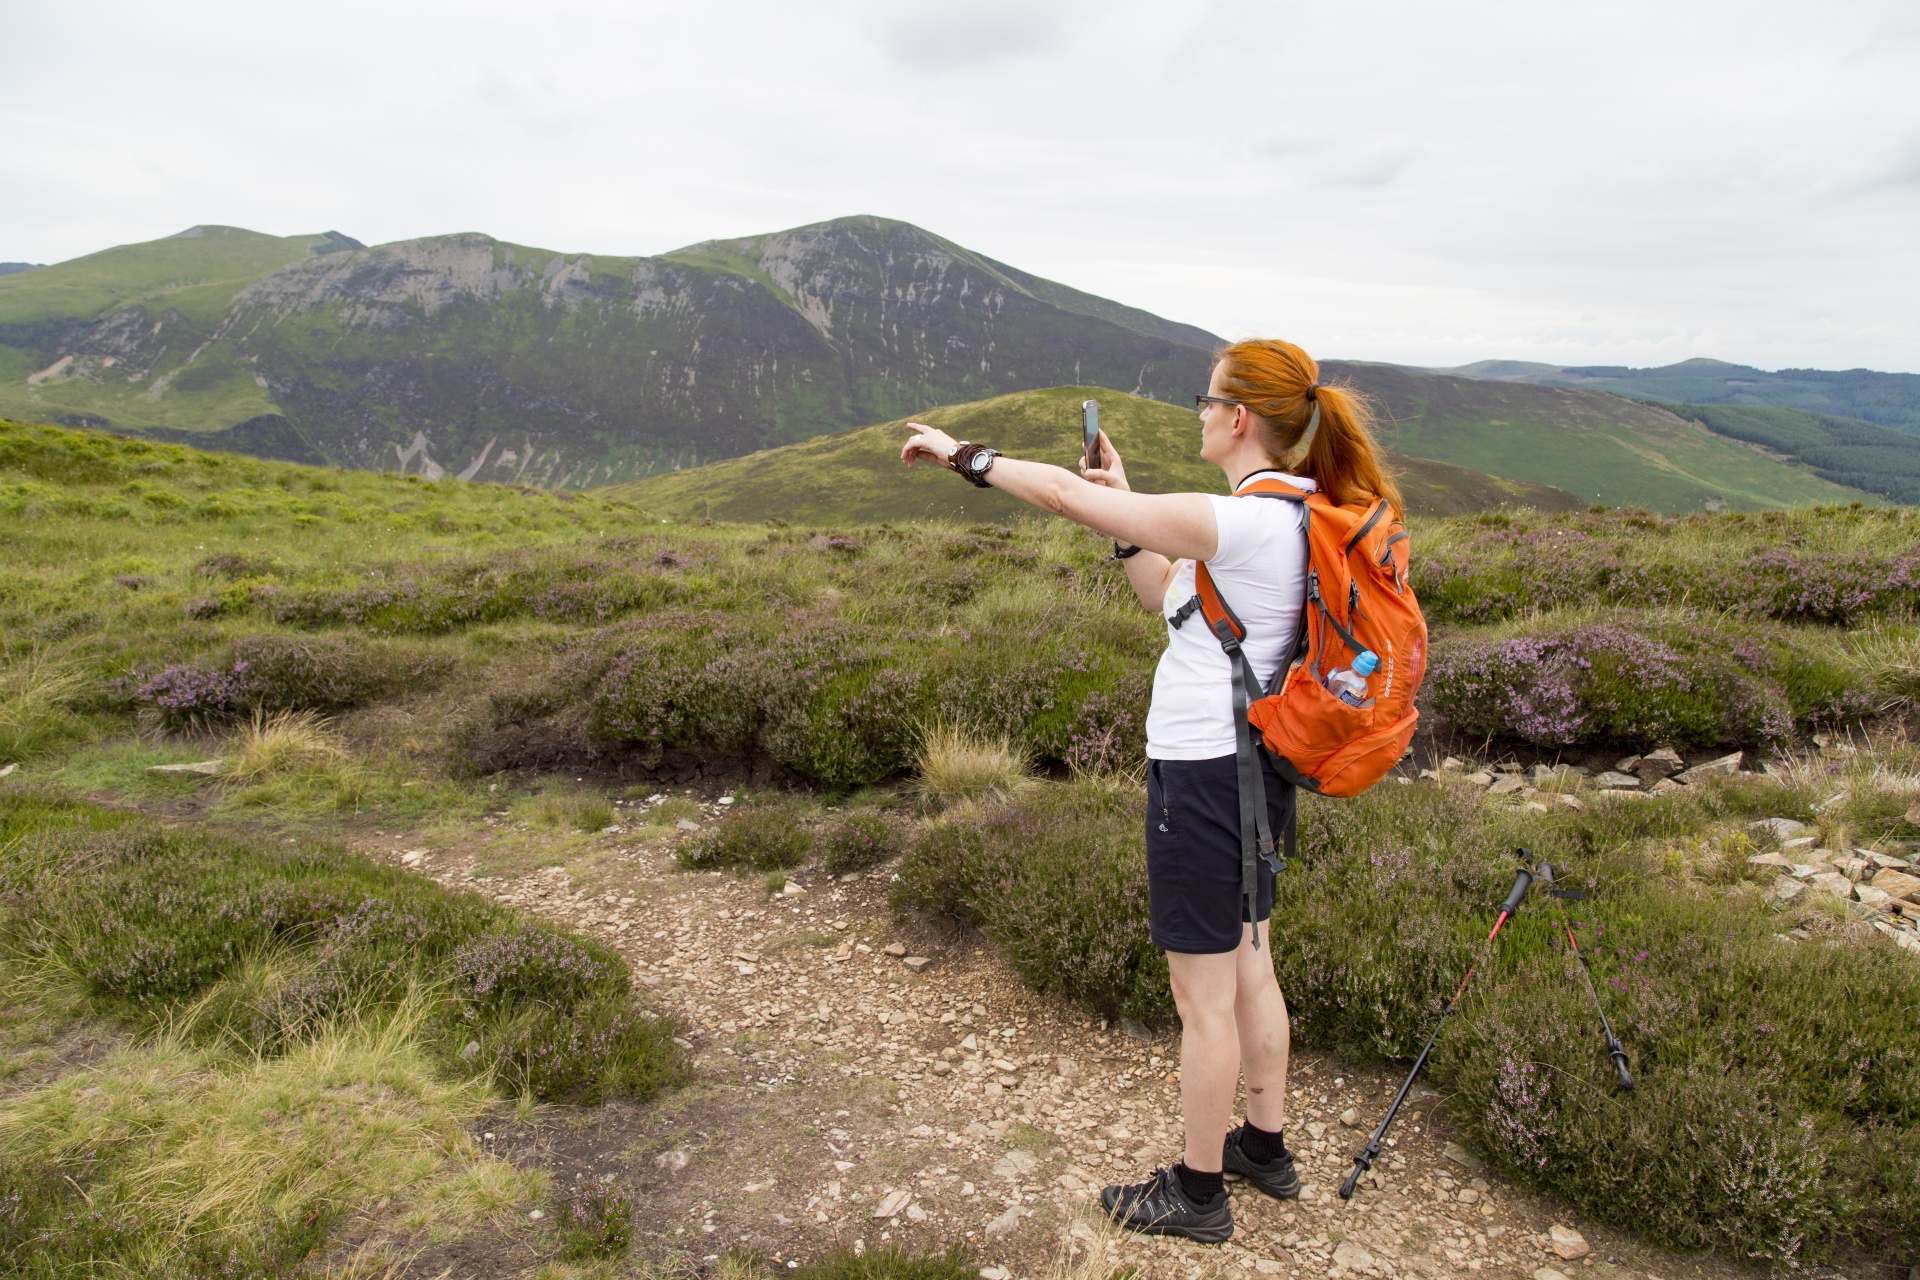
pixel 13 268
pixel 1607 449
pixel 1889 399
pixel 855 477
pixel 1844 450
pixel 496 361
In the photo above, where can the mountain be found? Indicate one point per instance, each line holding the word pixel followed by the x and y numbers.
pixel 14 268
pixel 504 362
pixel 1889 399
pixel 1844 450
pixel 1605 448
pixel 465 355
pixel 855 477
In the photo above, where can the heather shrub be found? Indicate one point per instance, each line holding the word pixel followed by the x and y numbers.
pixel 1037 698
pixel 282 673
pixel 1108 732
pixel 1058 879
pixel 537 966
pixel 766 838
pixel 1640 685
pixel 815 695
pixel 1840 567
pixel 602 1047
pixel 581 590
pixel 1774 1116
pixel 858 841
pixel 233 565
pixel 595 1220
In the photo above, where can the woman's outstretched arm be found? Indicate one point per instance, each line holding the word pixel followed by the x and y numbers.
pixel 1167 526
pixel 1175 525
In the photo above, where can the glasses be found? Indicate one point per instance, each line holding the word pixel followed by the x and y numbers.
pixel 1200 403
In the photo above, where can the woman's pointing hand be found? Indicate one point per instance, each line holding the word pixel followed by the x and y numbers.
pixel 928 442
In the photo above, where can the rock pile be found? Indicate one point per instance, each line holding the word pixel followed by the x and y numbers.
pixel 1883 886
pixel 1657 773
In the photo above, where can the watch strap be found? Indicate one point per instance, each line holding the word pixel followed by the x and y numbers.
pixel 967 461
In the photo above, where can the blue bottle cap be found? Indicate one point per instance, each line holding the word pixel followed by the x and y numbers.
pixel 1366 664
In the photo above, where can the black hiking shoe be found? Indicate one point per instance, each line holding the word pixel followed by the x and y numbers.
pixel 1160 1207
pixel 1278 1178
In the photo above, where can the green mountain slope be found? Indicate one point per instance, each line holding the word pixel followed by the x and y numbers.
pixel 855 477
pixel 1889 399
pixel 1605 448
pixel 469 356
pixel 497 361
pixel 1844 450
pixel 113 338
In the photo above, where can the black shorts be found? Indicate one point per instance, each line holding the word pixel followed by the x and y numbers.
pixel 1193 852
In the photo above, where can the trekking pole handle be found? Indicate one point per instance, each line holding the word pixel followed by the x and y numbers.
pixel 1522 881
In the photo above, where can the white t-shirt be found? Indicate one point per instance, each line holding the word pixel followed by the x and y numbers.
pixel 1261 570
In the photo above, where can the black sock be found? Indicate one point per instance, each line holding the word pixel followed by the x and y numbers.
pixel 1200 1187
pixel 1260 1146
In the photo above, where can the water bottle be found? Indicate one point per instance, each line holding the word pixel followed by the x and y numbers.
pixel 1350 684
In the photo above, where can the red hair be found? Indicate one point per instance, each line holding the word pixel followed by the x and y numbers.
pixel 1280 386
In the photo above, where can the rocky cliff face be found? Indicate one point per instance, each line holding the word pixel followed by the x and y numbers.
pixel 466 355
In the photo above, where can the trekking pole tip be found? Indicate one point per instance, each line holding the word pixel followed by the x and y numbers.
pixel 1353 1181
pixel 1619 1057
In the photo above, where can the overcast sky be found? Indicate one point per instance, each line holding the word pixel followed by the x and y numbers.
pixel 1425 182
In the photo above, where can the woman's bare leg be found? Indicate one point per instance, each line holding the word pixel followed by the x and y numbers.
pixel 1265 1036
pixel 1232 1015
pixel 1205 993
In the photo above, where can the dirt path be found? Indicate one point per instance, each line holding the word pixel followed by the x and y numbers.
pixel 864 1079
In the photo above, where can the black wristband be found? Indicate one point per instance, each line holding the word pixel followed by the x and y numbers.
pixel 1118 554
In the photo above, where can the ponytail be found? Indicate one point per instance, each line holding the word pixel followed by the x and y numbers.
pixel 1280 385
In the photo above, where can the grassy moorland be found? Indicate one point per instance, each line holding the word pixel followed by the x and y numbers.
pixel 160 605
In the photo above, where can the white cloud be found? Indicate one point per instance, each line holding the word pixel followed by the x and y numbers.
pixel 943 35
pixel 1627 182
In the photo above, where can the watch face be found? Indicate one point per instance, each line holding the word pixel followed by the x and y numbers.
pixel 979 462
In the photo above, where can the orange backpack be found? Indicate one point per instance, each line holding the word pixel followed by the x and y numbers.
pixel 1357 599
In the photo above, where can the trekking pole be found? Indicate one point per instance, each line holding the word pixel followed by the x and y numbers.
pixel 1614 1048
pixel 1523 880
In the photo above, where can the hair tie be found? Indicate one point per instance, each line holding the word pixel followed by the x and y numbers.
pixel 1313 392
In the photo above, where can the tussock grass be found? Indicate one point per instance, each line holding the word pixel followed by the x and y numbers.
pixel 276 745
pixel 891 1262
pixel 575 810
pixel 35 690
pixel 174 1155
pixel 1889 654
pixel 672 810
pixel 956 765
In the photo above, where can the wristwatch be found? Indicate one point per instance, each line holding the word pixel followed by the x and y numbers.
pixel 974 461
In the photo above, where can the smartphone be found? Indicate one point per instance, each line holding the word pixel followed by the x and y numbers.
pixel 1090 430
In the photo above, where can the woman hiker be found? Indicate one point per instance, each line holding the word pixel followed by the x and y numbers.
pixel 1265 416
